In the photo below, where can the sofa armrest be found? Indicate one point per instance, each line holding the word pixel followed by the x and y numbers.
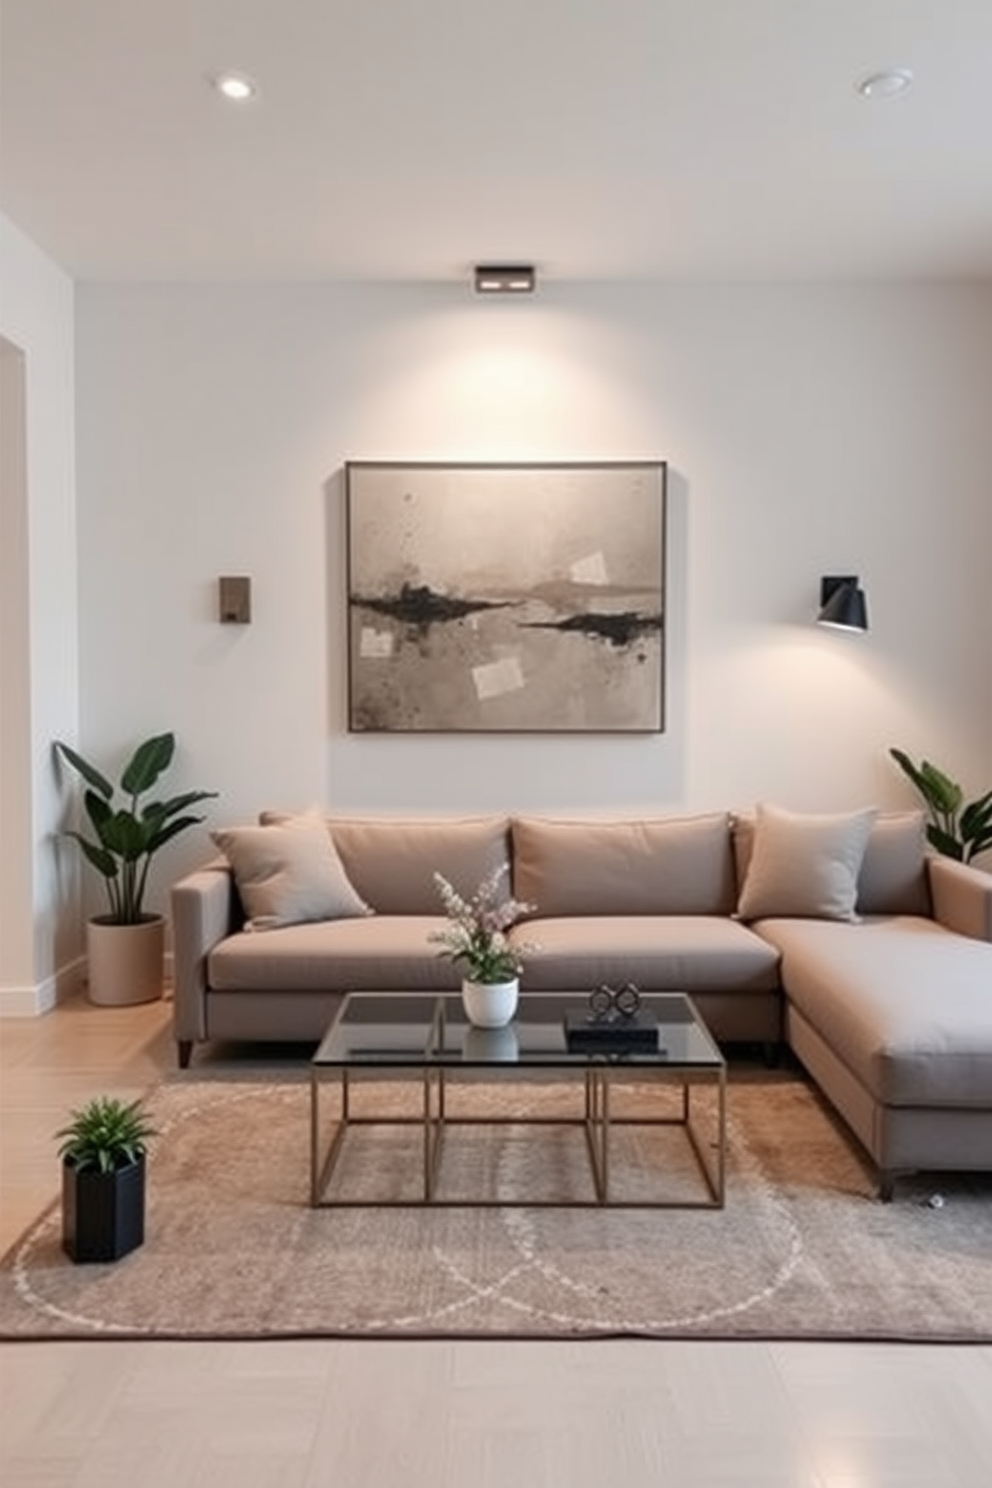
pixel 204 912
pixel 962 897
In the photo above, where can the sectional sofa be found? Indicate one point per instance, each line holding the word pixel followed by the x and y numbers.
pixel 839 934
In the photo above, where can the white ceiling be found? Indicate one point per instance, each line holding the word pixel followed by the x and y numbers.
pixel 407 139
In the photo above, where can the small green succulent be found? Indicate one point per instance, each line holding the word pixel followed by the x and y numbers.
pixel 957 829
pixel 106 1133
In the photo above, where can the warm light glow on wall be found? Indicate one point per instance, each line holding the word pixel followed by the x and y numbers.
pixel 511 384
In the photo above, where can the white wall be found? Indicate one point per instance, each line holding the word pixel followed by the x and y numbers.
pixel 809 430
pixel 40 939
pixel 16 898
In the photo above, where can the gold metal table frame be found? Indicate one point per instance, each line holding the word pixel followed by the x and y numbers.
pixel 599 1074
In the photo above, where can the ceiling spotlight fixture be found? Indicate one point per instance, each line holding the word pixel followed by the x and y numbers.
pixel 886 84
pixel 234 86
pixel 505 279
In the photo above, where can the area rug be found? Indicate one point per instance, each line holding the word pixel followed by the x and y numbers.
pixel 803 1249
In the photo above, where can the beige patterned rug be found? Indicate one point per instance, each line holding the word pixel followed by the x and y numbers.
pixel 802 1249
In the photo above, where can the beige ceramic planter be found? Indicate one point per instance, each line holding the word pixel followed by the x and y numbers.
pixel 125 961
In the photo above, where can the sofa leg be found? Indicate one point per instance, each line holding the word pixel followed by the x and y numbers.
pixel 771 1053
pixel 886 1185
pixel 185 1049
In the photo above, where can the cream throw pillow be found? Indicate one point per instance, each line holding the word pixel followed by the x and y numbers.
pixel 805 865
pixel 290 873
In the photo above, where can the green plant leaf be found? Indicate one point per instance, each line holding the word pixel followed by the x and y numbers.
pixel 160 811
pixel 103 861
pixel 106 1133
pixel 978 840
pixel 91 775
pixel 906 765
pixel 945 843
pixel 980 843
pixel 147 764
pixel 125 835
pixel 976 815
pixel 158 839
pixel 99 811
pixel 941 790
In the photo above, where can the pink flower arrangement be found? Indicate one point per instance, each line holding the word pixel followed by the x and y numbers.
pixel 477 934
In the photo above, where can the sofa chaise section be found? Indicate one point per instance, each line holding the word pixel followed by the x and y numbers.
pixel 892 1017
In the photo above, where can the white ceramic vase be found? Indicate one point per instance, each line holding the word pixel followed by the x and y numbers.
pixel 490 1004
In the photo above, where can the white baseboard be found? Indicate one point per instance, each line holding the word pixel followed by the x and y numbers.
pixel 32 1002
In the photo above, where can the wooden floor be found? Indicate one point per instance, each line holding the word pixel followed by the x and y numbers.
pixel 373 1414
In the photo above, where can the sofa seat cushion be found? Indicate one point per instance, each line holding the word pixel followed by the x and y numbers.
pixel 903 1002
pixel 388 951
pixel 676 953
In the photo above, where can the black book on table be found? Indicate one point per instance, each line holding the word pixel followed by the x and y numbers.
pixel 584 1032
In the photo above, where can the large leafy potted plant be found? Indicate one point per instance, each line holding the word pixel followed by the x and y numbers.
pixel 125 946
pixel 958 829
pixel 103 1179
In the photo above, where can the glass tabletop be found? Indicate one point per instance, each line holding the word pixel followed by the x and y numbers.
pixel 391 1029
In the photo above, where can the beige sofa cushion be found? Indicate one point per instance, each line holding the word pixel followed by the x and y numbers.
pixel 804 864
pixel 893 877
pixel 904 1003
pixel 668 865
pixel 392 860
pixel 288 873
pixel 387 951
pixel 675 953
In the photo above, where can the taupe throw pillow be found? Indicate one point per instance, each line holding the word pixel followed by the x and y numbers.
pixel 805 865
pixel 290 873
pixel 894 876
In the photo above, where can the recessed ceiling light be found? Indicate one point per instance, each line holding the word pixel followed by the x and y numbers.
pixel 886 84
pixel 235 86
pixel 505 278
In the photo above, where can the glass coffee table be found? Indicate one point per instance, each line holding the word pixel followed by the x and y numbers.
pixel 425 1041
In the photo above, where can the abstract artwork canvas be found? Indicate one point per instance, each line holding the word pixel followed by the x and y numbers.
pixel 506 598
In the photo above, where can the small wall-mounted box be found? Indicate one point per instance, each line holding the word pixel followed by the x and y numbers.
pixel 235 599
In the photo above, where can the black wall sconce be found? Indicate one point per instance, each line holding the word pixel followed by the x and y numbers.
pixel 234 598
pixel 505 279
pixel 842 603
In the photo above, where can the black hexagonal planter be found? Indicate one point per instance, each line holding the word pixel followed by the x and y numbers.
pixel 103 1214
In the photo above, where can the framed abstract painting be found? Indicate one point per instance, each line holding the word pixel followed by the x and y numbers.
pixel 506 598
